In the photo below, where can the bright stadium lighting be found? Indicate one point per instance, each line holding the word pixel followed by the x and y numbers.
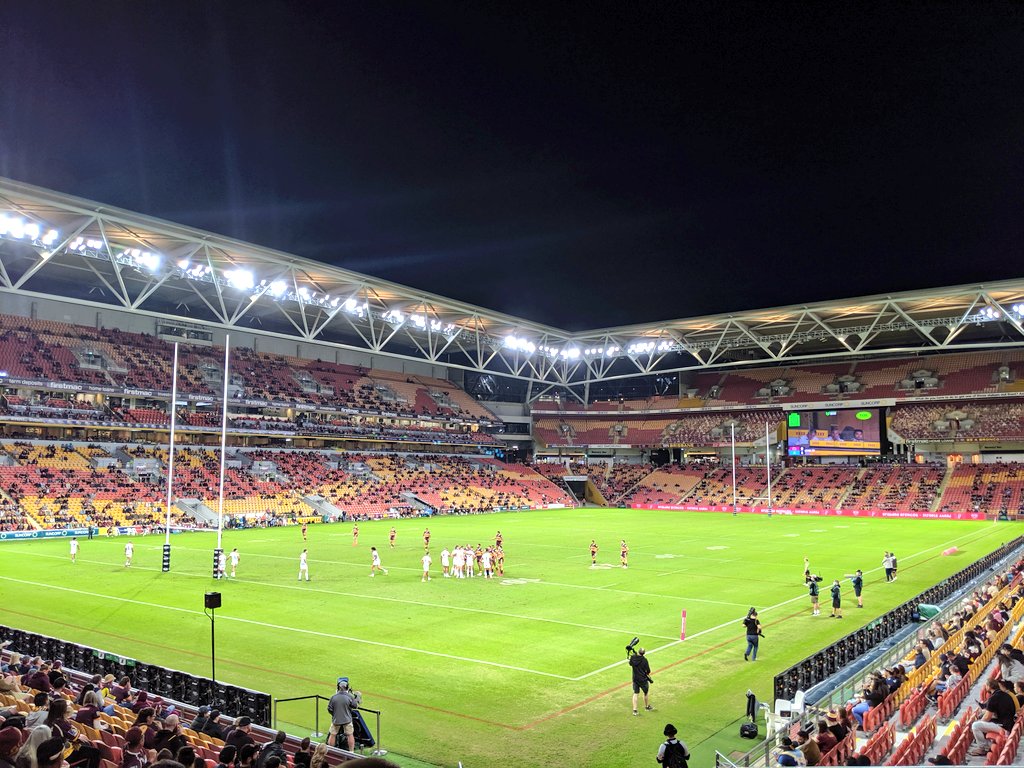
pixel 50 237
pixel 182 263
pixel 350 305
pixel 242 279
pixel 16 227
pixel 145 259
pixel 335 301
pixel 419 321
pixel 277 288
pixel 304 293
pixel 32 231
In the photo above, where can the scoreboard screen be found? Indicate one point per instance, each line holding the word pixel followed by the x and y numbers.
pixel 840 432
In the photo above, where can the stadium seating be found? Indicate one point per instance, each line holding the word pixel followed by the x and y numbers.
pixel 895 487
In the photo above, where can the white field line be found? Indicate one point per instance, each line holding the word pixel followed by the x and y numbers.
pixel 381 598
pixel 734 622
pixel 284 628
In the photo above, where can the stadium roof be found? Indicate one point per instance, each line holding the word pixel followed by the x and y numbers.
pixel 54 245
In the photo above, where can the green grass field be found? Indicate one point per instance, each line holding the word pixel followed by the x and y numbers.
pixel 524 671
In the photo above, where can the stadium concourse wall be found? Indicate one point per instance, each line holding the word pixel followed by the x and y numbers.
pixel 64 533
pixel 814 512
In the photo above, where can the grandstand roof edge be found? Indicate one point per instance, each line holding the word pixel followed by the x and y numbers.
pixel 94 208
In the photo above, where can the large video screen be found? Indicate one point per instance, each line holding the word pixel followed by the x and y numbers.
pixel 842 432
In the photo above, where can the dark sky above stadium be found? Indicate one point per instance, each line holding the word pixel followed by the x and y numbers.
pixel 581 165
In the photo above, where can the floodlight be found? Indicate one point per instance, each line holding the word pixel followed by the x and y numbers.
pixel 335 301
pixel 150 261
pixel 242 279
pixel 304 292
pixel 32 231
pixel 350 305
pixel 5 223
pixel 277 288
pixel 182 263
pixel 16 227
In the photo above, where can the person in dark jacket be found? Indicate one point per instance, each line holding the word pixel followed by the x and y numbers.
pixel 202 717
pixel 239 736
pixel 213 728
pixel 273 749
pixel 303 756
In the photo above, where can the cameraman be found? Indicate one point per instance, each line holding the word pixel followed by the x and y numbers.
pixel 340 708
pixel 753 629
pixel 641 678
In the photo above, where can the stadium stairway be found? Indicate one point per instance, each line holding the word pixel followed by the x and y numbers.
pixel 322 507
pixel 198 510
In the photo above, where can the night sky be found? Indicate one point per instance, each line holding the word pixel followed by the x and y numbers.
pixel 580 165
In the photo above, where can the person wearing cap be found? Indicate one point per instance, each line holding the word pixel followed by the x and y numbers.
pixel 239 736
pixel 202 716
pixel 50 754
pixel 10 743
pixel 340 708
pixel 641 678
pixel 673 753
pixel 789 755
pixel 273 749
pixel 212 727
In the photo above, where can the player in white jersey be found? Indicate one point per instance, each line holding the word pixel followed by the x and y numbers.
pixel 467 554
pixel 234 561
pixel 445 555
pixel 457 562
pixel 486 559
pixel 222 565
pixel 129 551
pixel 303 566
pixel 375 563
pixel 74 548
pixel 426 566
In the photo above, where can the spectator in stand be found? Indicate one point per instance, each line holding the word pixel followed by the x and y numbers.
pixel 319 759
pixel 1010 666
pixel 201 719
pixel 809 747
pixel 40 679
pixel 826 740
pixel 41 705
pixel 999 712
pixel 874 693
pixel 302 756
pixel 239 735
pixel 122 691
pixel 134 754
pixel 146 722
pixel 85 753
pixel 273 749
pixel 89 713
pixel 26 757
pixel 247 756
pixel 50 754
pixel 227 757
pixel 170 736
pixel 10 743
pixel 213 728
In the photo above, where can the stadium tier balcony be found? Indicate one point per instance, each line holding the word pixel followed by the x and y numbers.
pixel 961 419
pixel 896 487
pixel 613 482
pixel 994 489
pixel 666 485
pixel 813 487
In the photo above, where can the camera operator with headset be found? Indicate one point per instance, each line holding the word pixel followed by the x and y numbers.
pixel 341 708
pixel 641 673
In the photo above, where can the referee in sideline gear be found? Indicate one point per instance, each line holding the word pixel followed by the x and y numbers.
pixel 641 678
